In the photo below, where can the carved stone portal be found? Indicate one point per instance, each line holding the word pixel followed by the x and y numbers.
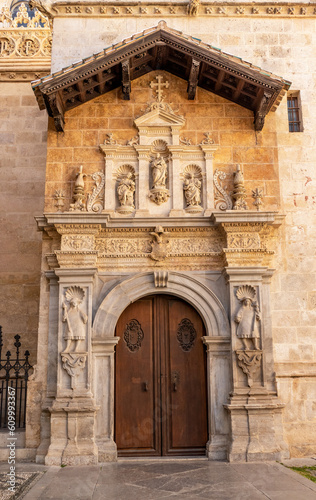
pixel 249 361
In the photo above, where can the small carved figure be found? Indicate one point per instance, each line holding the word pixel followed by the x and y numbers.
pixel 134 141
pixel 185 141
pixel 193 7
pixel 192 190
pixel 159 172
pixel 74 317
pixel 248 317
pixel 126 189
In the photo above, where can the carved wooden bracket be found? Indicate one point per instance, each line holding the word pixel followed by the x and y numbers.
pixel 193 79
pixel 126 80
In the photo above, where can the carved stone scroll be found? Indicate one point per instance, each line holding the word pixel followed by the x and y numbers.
pixel 95 200
pixel 222 200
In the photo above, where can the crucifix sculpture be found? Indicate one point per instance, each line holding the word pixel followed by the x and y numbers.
pixel 159 85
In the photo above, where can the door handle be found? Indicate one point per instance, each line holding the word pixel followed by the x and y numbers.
pixel 175 377
pixel 145 386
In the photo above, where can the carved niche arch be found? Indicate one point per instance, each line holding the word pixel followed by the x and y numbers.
pixel 188 288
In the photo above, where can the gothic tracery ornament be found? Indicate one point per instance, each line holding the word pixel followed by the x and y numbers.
pixel 133 335
pixel 186 334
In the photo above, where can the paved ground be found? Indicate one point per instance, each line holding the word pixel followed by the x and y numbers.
pixel 195 479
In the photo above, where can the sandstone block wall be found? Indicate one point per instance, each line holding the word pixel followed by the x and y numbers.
pixel 23 133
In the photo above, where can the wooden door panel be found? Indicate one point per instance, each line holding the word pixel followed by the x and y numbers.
pixel 186 431
pixel 135 427
pixel 161 400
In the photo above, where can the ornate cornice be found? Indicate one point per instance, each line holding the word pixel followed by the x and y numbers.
pixel 180 9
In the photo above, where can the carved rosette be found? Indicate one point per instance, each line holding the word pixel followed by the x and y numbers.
pixel 249 361
pixel 133 335
pixel 186 334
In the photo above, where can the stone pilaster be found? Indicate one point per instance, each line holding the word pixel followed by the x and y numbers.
pixel 73 409
pixel 254 407
pixel 103 362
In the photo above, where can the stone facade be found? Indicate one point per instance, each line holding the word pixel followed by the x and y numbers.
pixel 114 251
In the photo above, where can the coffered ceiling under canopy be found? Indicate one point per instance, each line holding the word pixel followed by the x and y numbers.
pixel 166 49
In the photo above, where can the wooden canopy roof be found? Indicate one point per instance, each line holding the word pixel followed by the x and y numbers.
pixel 166 49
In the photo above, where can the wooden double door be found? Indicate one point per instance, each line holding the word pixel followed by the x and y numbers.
pixel 160 379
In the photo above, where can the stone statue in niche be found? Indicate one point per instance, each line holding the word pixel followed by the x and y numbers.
pixel 159 172
pixel 159 193
pixel 248 317
pixel 74 318
pixel 125 190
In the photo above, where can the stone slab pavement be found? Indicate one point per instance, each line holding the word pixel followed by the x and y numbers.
pixel 185 479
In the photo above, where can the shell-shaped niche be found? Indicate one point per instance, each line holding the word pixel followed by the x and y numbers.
pixel 246 292
pixel 125 188
pixel 159 146
pixel 75 293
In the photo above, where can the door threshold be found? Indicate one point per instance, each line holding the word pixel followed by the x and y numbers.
pixel 160 459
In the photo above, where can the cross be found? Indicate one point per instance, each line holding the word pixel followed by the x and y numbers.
pixel 159 86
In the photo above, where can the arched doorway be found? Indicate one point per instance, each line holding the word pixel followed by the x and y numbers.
pixel 160 379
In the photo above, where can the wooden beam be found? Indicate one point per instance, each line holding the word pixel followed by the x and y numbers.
pixel 238 89
pixel 193 79
pixel 126 80
pixel 160 56
pixel 219 80
pixel 55 109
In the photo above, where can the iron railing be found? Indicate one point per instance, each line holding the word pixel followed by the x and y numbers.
pixel 14 374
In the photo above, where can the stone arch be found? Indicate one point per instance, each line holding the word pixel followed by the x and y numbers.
pixel 186 287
